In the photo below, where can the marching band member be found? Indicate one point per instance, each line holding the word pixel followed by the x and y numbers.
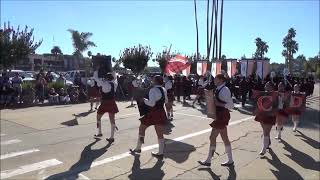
pixel 135 84
pixel 94 94
pixel 266 122
pixel 282 114
pixel 223 102
pixel 156 115
pixel 108 103
pixel 200 90
pixel 170 92
pixel 296 113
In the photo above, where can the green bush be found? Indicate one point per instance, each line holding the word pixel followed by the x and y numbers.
pixel 27 85
pixel 57 86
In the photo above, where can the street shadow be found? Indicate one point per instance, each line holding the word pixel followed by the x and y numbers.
pixel 88 155
pixel 138 173
pixel 72 122
pixel 186 104
pixel 301 158
pixel 309 119
pixel 313 143
pixel 283 171
pixel 177 151
pixel 84 114
pixel 131 106
pixel 212 174
pixel 63 106
pixel 168 128
pixel 232 173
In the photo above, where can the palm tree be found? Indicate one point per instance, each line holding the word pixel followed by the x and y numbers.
pixel 81 41
pixel 89 53
pixel 221 18
pixel 262 48
pixel 196 19
pixel 56 50
pixel 291 47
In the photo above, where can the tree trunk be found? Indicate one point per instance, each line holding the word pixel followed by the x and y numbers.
pixel 196 20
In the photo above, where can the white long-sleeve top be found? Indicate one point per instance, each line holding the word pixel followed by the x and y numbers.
pixel 155 95
pixel 104 84
pixel 168 85
pixel 225 95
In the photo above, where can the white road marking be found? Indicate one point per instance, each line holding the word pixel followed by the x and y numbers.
pixel 202 117
pixel 13 141
pixel 81 176
pixel 14 154
pixel 126 154
pixel 29 168
pixel 2 135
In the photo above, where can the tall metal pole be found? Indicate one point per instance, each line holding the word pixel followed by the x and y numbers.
pixel 221 18
pixel 196 19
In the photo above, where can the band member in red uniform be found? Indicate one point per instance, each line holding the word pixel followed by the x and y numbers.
pixel 200 90
pixel 108 103
pixel 94 94
pixel 282 114
pixel 156 115
pixel 296 110
pixel 267 120
pixel 223 102
pixel 170 92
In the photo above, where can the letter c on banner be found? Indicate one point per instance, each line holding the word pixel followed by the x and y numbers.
pixel 265 103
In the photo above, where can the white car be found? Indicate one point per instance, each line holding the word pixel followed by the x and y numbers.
pixel 25 76
pixel 56 76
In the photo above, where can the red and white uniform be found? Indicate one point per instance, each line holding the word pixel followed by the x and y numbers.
pixel 170 92
pixel 297 103
pixel 282 104
pixel 157 114
pixel 223 95
pixel 94 90
pixel 270 117
pixel 108 91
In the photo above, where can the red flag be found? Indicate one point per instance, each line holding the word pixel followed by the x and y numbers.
pixel 177 64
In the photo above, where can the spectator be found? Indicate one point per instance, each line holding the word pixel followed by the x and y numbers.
pixel 17 86
pixel 49 77
pixel 63 96
pixel 7 92
pixel 53 96
pixel 40 87
pixel 61 79
pixel 74 94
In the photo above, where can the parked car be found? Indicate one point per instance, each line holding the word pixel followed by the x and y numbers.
pixel 71 75
pixel 56 76
pixel 25 76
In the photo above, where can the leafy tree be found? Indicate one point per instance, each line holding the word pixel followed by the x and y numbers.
pixel 56 50
pixel 262 48
pixel 162 59
pixel 223 57
pixel 136 58
pixel 16 45
pixel 81 41
pixel 89 53
pixel 291 47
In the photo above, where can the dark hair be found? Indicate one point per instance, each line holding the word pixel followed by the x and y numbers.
pixel 158 79
pixel 221 77
pixel 109 77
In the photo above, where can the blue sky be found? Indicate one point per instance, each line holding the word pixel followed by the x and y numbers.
pixel 119 24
